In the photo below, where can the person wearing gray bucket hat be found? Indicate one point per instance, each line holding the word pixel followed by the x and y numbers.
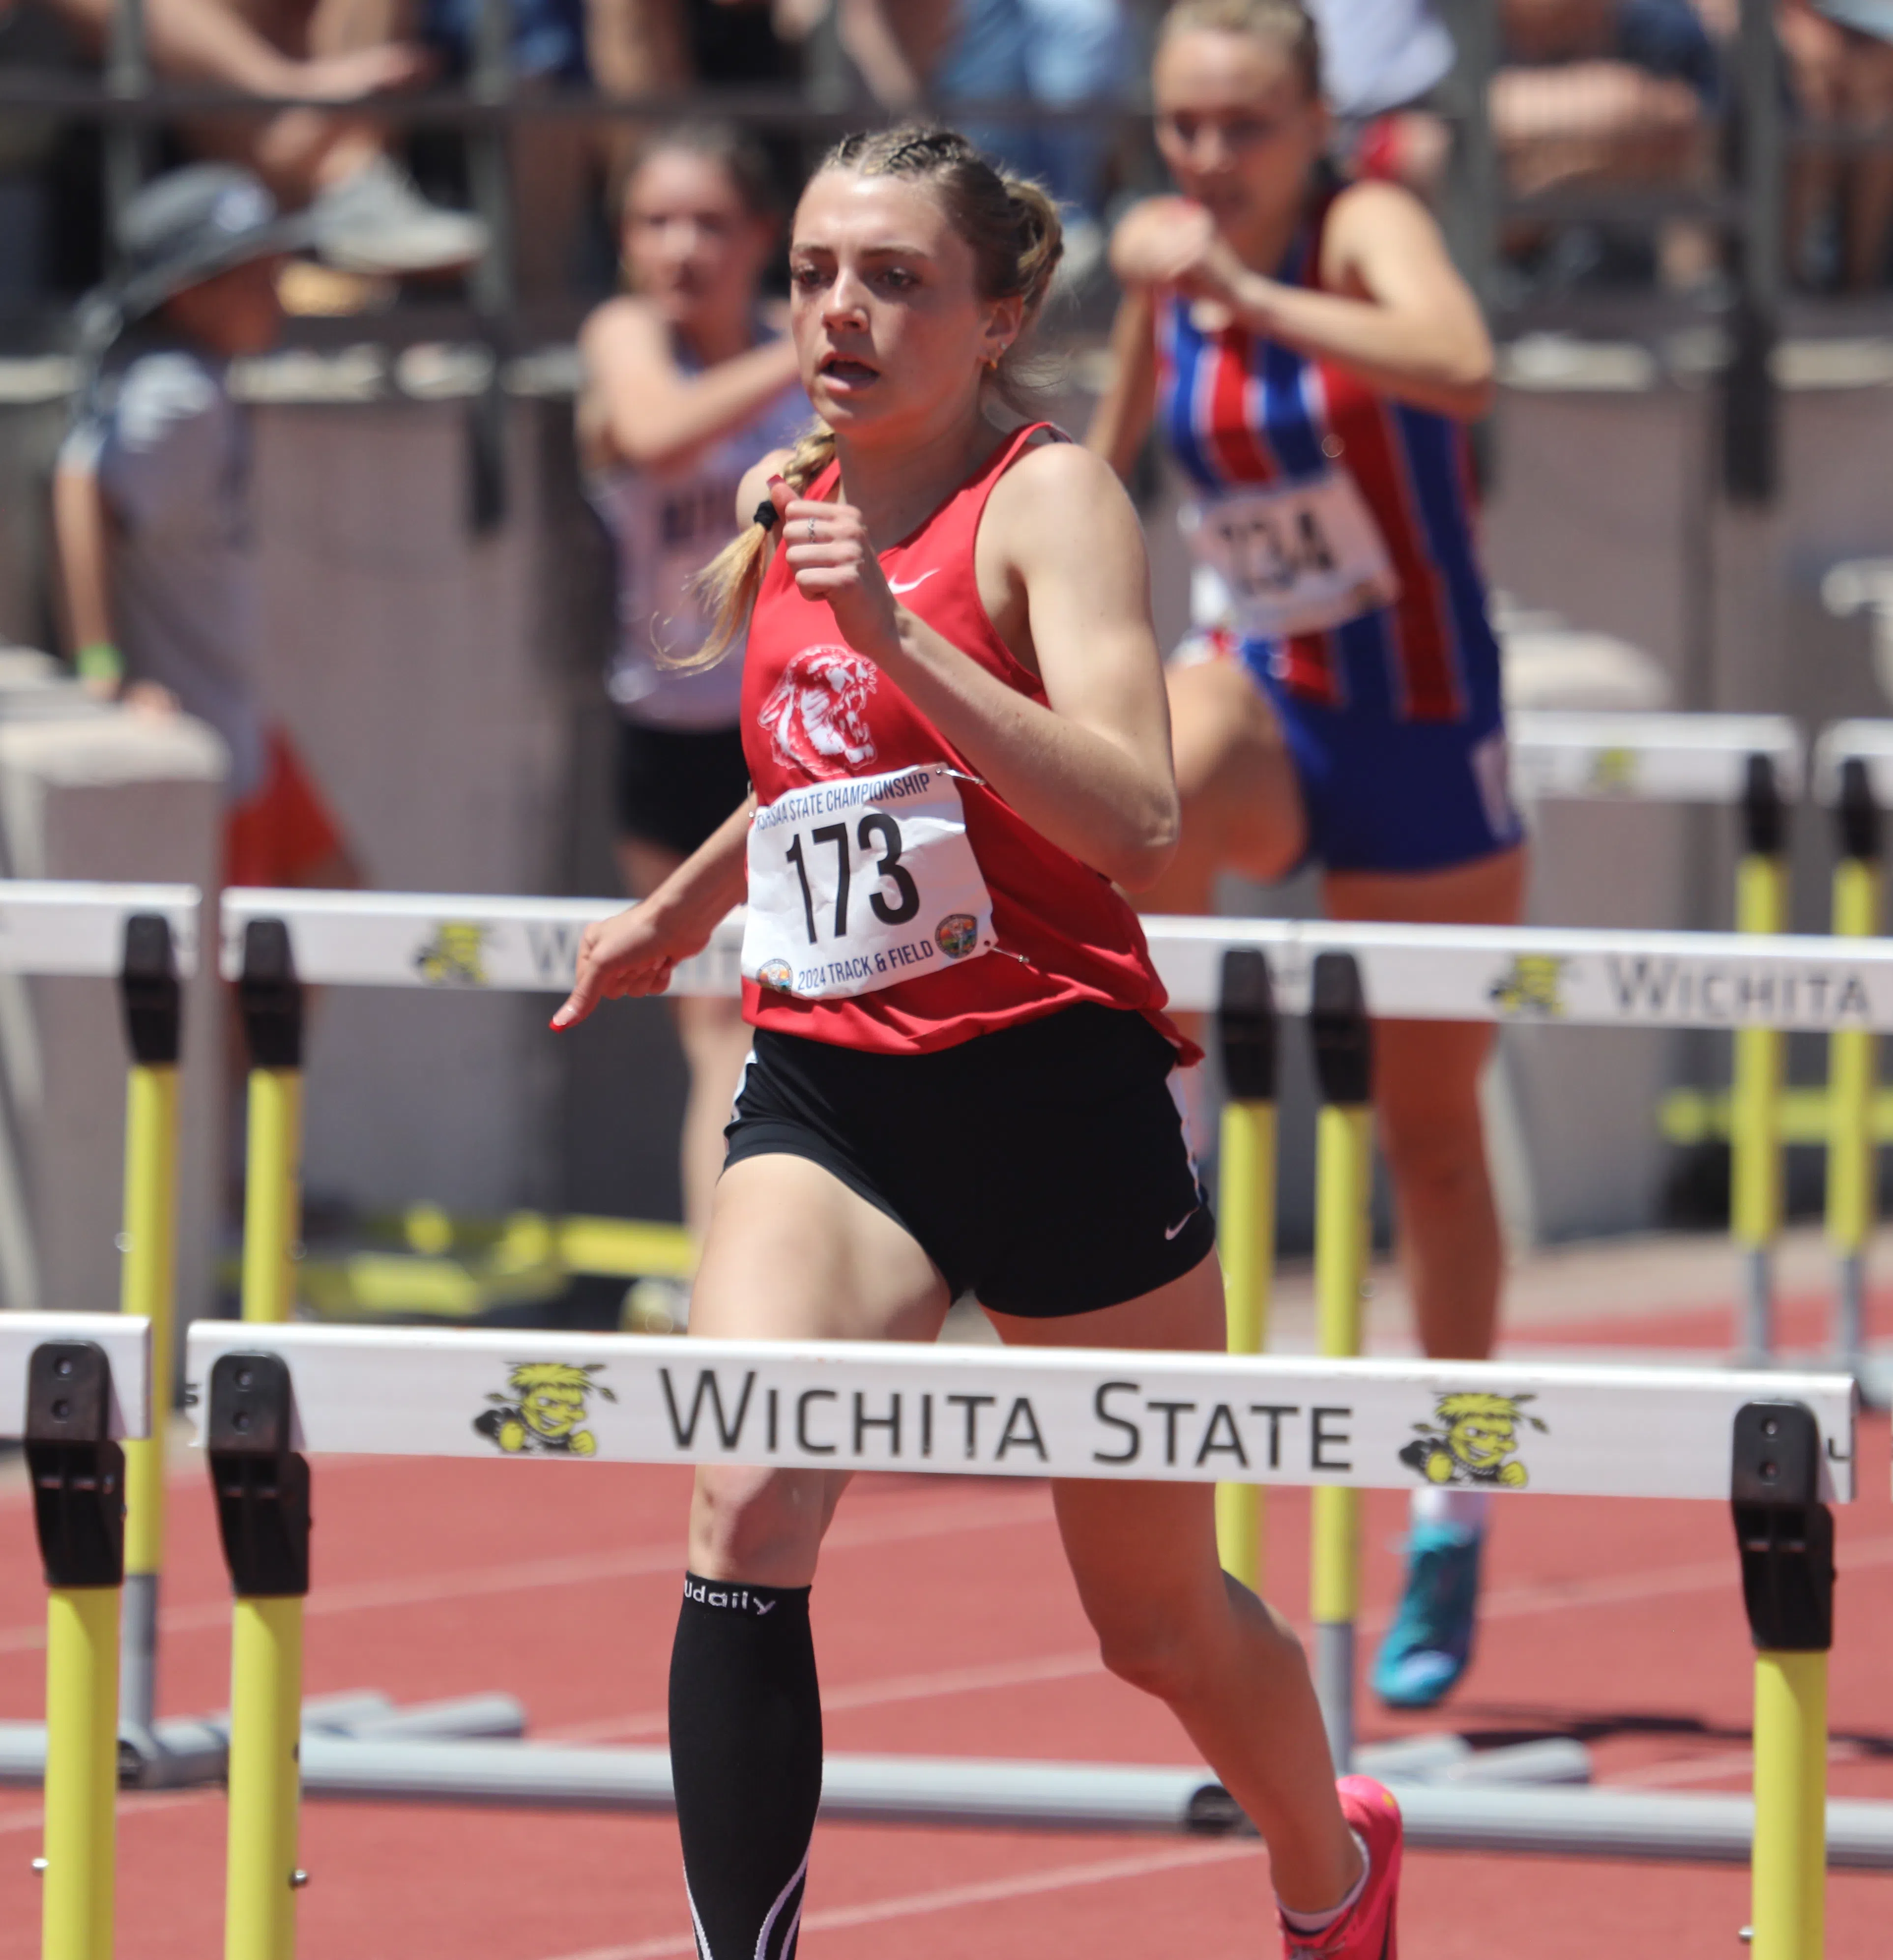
pixel 150 500
pixel 191 225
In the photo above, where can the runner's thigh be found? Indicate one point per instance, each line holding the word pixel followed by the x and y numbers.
pixel 1234 772
pixel 792 1255
pixel 1143 1554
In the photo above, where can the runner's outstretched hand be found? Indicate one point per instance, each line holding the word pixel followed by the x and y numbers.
pixel 631 953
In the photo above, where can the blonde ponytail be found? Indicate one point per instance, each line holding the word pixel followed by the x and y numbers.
pixel 728 582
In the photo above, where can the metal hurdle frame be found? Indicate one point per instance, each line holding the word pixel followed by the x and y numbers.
pixel 76 1388
pixel 145 937
pixel 1778 1447
pixel 1752 761
pixel 1730 980
pixel 1853 779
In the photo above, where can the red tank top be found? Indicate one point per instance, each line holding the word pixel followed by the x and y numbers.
pixel 814 712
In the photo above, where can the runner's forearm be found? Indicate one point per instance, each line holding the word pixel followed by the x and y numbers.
pixel 1122 418
pixel 79 537
pixel 657 427
pixel 1077 786
pixel 1412 355
pixel 710 882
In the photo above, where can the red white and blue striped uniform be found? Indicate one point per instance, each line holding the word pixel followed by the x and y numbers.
pixel 1412 686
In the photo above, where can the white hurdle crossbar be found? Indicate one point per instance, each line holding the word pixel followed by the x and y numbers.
pixel 127 1342
pixel 1620 757
pixel 1605 1431
pixel 78 930
pixel 1870 743
pixel 1535 975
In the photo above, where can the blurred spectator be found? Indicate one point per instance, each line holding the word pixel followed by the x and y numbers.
pixel 150 502
pixel 1602 91
pixel 653 49
pixel 689 379
pixel 1379 55
pixel 368 215
pixel 1839 60
pixel 1061 54
pixel 1380 62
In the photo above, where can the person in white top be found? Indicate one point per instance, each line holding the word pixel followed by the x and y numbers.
pixel 689 378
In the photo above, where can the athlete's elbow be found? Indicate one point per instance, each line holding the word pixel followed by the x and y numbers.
pixel 1477 397
pixel 1470 383
pixel 1145 854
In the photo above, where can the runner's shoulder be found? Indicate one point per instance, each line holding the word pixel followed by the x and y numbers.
pixel 1059 486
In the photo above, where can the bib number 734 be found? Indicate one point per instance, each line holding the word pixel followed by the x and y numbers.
pixel 857 884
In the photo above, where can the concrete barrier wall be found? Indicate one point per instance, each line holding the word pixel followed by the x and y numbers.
pixel 90 793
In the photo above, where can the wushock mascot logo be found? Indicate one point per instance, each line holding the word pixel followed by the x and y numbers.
pixel 1474 1439
pixel 543 1410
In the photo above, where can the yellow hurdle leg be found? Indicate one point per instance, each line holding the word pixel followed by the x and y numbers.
pixel 1854 1068
pixel 1245 1213
pixel 1789 1869
pixel 1344 1162
pixel 1754 1119
pixel 272 1198
pixel 146 1286
pixel 82 1771
pixel 265 1705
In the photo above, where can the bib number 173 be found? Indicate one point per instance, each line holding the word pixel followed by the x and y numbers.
pixel 876 830
pixel 858 884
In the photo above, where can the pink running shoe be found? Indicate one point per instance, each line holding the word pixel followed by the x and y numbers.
pixel 1366 1932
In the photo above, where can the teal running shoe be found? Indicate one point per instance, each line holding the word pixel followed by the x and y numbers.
pixel 1430 1641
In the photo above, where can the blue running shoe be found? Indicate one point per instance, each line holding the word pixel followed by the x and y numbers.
pixel 1430 1641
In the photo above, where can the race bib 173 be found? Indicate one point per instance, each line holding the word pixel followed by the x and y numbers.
pixel 1293 558
pixel 857 884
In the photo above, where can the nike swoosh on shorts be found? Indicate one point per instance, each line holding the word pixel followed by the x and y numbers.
pixel 1171 1231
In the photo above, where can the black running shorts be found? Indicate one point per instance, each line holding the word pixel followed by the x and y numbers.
pixel 674 786
pixel 1043 1167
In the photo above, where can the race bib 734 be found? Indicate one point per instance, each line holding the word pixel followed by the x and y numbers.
pixel 1293 557
pixel 861 883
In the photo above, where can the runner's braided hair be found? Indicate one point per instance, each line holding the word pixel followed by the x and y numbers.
pixel 1012 225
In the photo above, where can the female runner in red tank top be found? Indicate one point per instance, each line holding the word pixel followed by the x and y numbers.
pixel 953 713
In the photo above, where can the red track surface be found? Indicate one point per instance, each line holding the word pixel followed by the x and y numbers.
pixel 946 1624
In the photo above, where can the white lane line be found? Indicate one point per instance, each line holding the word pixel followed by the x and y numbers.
pixel 1519 1602
pixel 994 1513
pixel 876 1693
pixel 1674 1772
pixel 1024 1885
pixel 1514 1602
pixel 141 1804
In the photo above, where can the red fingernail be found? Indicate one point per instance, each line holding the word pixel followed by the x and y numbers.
pixel 778 479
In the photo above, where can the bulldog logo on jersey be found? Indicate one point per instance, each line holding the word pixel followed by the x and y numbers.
pixel 817 715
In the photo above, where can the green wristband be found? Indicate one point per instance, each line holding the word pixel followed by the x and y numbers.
pixel 101 661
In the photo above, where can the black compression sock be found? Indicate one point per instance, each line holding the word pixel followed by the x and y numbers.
pixel 746 1758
